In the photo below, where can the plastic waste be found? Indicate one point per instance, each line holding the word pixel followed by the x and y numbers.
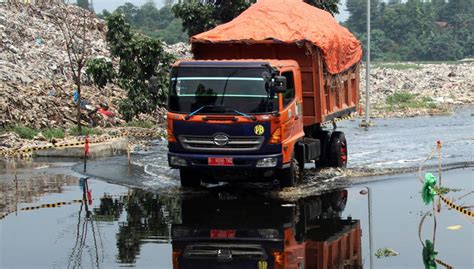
pixel 428 193
pixel 429 255
pixel 75 96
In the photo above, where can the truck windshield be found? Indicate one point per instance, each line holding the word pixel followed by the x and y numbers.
pixel 216 89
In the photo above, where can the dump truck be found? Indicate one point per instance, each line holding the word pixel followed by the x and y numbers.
pixel 266 233
pixel 254 101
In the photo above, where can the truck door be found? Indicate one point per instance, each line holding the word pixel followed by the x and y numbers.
pixel 291 112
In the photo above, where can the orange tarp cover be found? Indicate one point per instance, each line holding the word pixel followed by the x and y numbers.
pixel 290 21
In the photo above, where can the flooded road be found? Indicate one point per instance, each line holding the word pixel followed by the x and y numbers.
pixel 393 145
pixel 138 216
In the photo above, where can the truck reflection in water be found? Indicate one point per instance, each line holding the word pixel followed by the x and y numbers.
pixel 228 232
pixel 221 230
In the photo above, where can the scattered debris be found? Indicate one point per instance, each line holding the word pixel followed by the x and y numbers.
pixel 385 252
pixel 445 190
pixel 454 227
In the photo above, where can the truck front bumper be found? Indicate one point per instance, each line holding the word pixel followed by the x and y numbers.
pixel 264 162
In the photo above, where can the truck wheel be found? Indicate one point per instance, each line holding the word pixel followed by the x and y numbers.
pixel 324 138
pixel 188 178
pixel 339 201
pixel 338 150
pixel 289 176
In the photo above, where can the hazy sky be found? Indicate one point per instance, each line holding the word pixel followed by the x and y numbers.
pixel 111 5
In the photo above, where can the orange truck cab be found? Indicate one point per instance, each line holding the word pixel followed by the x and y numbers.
pixel 252 104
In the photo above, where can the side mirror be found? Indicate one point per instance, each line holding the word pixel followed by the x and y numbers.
pixel 279 84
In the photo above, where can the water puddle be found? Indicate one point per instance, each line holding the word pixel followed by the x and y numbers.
pixel 233 225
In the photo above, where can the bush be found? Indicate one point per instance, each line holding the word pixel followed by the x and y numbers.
pixel 404 100
pixel 140 124
pixel 53 133
pixel 85 131
pixel 24 132
pixel 400 98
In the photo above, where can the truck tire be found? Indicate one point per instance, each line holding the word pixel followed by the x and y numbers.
pixel 324 138
pixel 338 150
pixel 188 178
pixel 289 176
pixel 339 201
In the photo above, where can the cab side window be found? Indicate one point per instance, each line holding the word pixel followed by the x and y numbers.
pixel 289 95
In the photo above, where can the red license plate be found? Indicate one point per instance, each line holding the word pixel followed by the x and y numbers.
pixel 220 161
pixel 222 234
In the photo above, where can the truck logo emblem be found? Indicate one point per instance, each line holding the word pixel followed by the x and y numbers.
pixel 259 129
pixel 262 265
pixel 221 140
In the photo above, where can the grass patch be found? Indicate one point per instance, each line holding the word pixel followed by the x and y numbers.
pixel 404 100
pixel 22 131
pixel 85 131
pixel 53 133
pixel 398 98
pixel 140 124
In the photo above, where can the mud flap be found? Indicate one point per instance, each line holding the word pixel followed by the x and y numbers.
pixel 306 150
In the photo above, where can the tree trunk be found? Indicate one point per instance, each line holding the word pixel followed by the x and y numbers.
pixel 78 106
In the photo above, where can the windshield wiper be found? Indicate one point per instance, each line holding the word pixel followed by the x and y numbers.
pixel 192 113
pixel 242 113
pixel 187 117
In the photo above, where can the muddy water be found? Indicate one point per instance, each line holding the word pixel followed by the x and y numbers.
pixel 392 145
pixel 133 227
pixel 132 218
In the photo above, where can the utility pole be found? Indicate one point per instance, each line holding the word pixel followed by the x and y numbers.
pixel 371 242
pixel 366 121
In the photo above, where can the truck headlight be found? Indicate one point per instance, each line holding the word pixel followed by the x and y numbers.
pixel 269 233
pixel 267 162
pixel 177 161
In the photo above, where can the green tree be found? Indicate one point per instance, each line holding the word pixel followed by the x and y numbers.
pixel 357 21
pixel 141 59
pixel 129 11
pixel 199 16
pixel 330 6
pixel 84 4
pixel 154 22
pixel 382 48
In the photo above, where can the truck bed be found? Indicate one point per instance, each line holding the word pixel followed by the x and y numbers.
pixel 325 96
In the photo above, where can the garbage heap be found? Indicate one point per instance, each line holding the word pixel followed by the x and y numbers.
pixel 36 86
pixel 437 87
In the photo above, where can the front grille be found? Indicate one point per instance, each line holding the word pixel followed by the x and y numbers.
pixel 225 251
pixel 235 143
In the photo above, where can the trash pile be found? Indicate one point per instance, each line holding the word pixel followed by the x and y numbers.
pixel 442 86
pixel 36 87
pixel 180 50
